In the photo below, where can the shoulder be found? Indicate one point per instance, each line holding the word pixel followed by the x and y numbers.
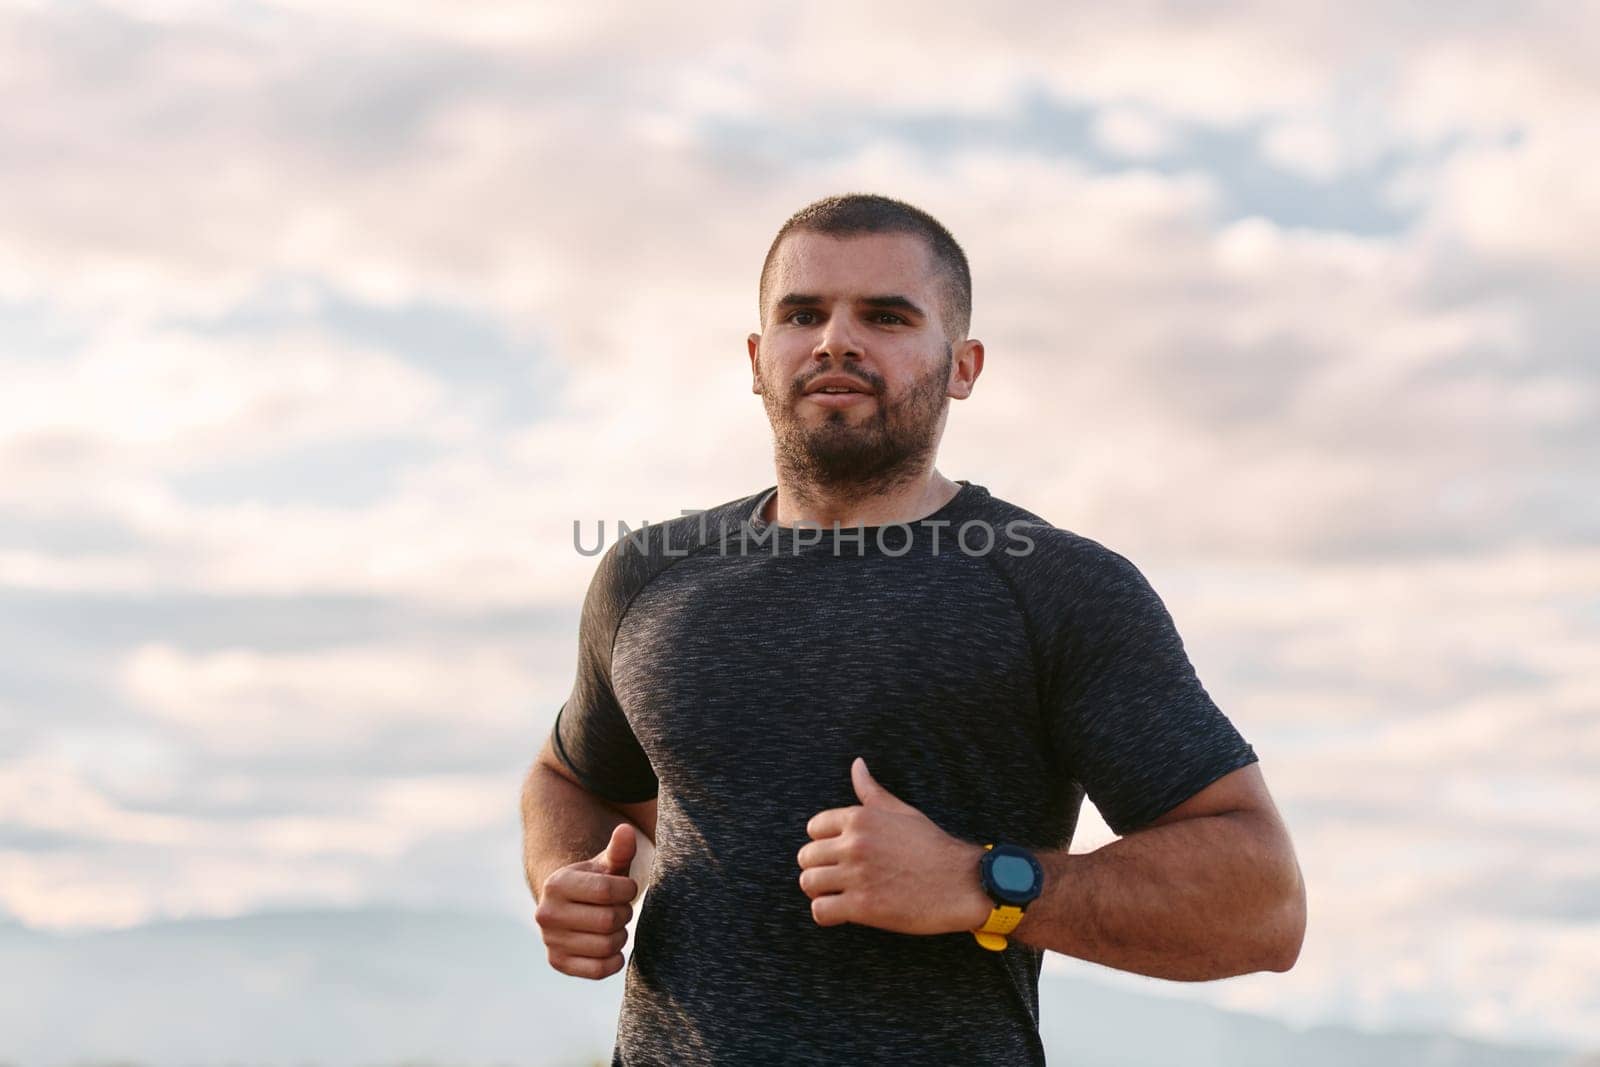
pixel 1071 587
pixel 639 553
pixel 1085 600
pixel 1038 550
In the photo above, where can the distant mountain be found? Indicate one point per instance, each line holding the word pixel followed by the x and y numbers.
pixel 1087 1025
pixel 357 989
pixel 326 988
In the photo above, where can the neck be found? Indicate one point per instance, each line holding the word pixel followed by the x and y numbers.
pixel 798 501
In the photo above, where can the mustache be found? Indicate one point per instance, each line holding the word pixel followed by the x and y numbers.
pixel 865 379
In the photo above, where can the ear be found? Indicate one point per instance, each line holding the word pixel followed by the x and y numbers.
pixel 753 342
pixel 965 366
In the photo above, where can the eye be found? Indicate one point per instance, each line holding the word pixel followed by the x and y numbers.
pixel 888 318
pixel 802 317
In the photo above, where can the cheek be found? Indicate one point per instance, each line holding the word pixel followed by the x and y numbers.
pixel 777 364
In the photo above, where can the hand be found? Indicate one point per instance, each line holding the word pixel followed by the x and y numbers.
pixel 883 863
pixel 584 909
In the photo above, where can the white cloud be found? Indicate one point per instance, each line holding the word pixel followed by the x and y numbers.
pixel 1306 148
pixel 169 401
pixel 128 865
pixel 1522 204
pixel 1132 134
pixel 244 701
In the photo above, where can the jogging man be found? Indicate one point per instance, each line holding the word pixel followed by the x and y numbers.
pixel 863 708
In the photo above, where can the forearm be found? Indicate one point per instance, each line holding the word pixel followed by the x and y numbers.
pixel 562 823
pixel 1193 900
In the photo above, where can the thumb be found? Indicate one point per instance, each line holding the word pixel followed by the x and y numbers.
pixel 618 854
pixel 869 792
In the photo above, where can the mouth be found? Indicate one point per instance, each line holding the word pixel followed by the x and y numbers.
pixel 841 398
pixel 837 391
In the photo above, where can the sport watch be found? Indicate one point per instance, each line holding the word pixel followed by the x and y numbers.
pixel 1013 879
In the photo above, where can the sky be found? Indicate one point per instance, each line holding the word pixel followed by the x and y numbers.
pixel 321 323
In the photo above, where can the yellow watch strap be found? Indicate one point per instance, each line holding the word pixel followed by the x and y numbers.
pixel 1002 920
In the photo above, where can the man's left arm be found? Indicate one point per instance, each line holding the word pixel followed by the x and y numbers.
pixel 1210 889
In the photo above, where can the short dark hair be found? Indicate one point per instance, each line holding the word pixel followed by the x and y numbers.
pixel 854 214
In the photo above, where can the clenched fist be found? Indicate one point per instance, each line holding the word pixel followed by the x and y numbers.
pixel 584 909
pixel 883 863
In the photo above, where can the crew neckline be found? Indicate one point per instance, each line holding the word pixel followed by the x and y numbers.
pixel 958 502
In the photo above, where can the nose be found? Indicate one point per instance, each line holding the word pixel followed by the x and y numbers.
pixel 837 340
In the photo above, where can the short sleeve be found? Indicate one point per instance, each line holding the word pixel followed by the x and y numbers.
pixel 1130 720
pixel 592 735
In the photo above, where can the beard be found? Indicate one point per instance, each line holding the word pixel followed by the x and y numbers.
pixel 854 455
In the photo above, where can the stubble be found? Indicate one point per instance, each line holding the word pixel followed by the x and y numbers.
pixel 853 457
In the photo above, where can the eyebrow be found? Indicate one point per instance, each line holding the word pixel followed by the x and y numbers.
pixel 889 301
pixel 894 302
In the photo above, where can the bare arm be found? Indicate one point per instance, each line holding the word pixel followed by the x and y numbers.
pixel 1210 890
pixel 563 823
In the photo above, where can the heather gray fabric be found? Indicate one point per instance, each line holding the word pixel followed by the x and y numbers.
pixel 739 669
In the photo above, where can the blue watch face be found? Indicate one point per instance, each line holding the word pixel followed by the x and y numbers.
pixel 1013 874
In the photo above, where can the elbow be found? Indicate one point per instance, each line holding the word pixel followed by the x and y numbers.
pixel 1288 927
pixel 1286 956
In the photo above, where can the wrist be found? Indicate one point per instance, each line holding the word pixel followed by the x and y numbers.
pixel 974 903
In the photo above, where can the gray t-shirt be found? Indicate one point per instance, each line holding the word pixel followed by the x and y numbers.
pixel 990 668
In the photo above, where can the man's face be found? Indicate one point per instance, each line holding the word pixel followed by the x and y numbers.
pixel 862 314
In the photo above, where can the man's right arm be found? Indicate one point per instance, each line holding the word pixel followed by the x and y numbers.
pixel 590 794
pixel 577 850
pixel 563 823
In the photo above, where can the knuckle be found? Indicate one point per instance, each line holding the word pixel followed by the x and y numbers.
pixel 600 968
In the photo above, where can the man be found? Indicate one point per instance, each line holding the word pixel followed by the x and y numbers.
pixel 833 695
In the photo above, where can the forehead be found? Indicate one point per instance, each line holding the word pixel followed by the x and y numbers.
pixel 872 264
